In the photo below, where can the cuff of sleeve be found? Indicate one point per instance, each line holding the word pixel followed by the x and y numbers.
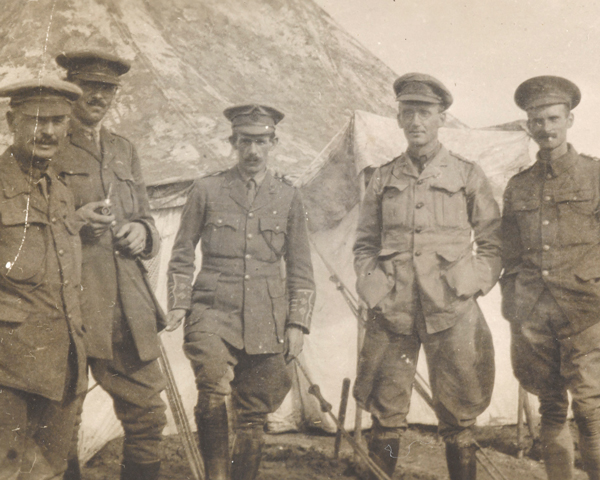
pixel 180 293
pixel 301 309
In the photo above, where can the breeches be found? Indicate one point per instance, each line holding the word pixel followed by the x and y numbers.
pixel 460 361
pixel 35 434
pixel 549 363
pixel 135 388
pixel 257 384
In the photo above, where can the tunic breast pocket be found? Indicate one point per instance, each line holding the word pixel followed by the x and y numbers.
pixel 527 213
pixel 395 201
pixel 577 212
pixel 220 235
pixel 23 248
pixel 124 189
pixel 274 231
pixel 450 205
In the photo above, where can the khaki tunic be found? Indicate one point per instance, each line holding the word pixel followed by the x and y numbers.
pixel 551 239
pixel 418 230
pixel 110 277
pixel 40 267
pixel 256 275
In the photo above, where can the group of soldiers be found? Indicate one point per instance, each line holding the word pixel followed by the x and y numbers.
pixel 75 224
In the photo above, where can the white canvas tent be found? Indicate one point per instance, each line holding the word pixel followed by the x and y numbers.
pixel 193 59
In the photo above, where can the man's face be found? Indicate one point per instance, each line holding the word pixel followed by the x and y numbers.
pixel 420 122
pixel 95 101
pixel 37 137
pixel 549 124
pixel 253 151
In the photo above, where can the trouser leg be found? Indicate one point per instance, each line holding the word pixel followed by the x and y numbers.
pixel 386 371
pixel 581 369
pixel 213 364
pixel 34 435
pixel 537 364
pixel 135 388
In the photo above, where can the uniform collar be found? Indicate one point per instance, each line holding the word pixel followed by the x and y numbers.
pixel 14 179
pixel 258 178
pixel 433 168
pixel 561 164
pixel 423 157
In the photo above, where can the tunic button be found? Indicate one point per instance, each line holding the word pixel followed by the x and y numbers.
pixel 219 221
pixel 545 273
pixel 249 235
pixel 250 215
pixel 280 340
pixel 419 182
pixel 274 212
pixel 65 283
pixel 417 254
pixel 246 277
pixel 419 205
pixel 547 198
pixel 549 176
pixel 418 230
pixel 277 227
pixel 61 252
pixel 248 256
pixel 546 222
pixel 546 247
pixel 53 219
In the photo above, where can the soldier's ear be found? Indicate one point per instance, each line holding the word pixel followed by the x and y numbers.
pixel 443 118
pixel 274 141
pixel 10 119
pixel 570 120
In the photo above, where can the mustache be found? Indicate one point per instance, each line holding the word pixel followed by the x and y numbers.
pixel 96 102
pixel 545 135
pixel 49 140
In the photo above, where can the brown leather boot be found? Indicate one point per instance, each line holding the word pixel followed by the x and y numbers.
pixel 213 434
pixel 383 449
pixel 461 460
pixel 247 453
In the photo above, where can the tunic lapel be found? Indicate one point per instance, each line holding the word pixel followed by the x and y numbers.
pixel 263 196
pixel 79 139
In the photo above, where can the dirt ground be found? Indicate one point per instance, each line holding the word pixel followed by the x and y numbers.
pixel 302 456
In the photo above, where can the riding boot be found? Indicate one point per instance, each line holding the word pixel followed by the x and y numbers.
pixel 383 450
pixel 247 453
pixel 213 434
pixel 139 471
pixel 461 460
pixel 73 471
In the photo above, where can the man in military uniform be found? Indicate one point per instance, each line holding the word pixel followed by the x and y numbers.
pixel 120 314
pixel 419 274
pixel 550 284
pixel 242 323
pixel 42 357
